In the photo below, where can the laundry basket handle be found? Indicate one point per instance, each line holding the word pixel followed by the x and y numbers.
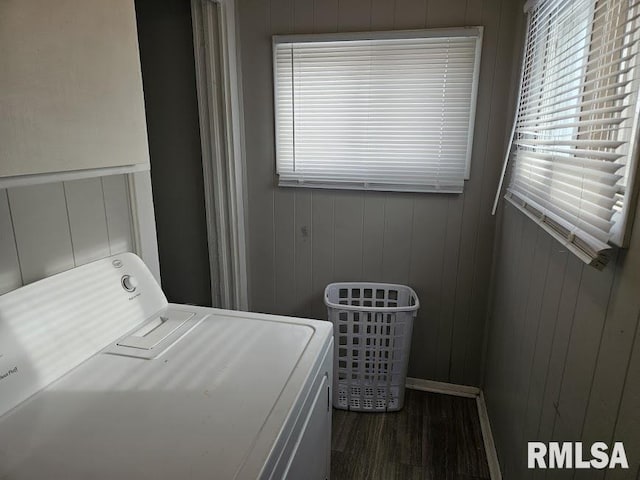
pixel 361 308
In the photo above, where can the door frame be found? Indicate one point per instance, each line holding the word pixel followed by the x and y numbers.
pixel 221 135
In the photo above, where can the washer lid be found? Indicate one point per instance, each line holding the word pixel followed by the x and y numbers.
pixel 210 405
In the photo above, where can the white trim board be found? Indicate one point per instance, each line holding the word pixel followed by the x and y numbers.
pixel 219 101
pixel 442 387
pixel 466 391
pixel 487 439
pixel 52 177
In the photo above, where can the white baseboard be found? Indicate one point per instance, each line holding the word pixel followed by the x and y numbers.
pixel 487 438
pixel 442 387
pixel 468 392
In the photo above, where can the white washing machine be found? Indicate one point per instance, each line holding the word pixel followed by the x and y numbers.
pixel 101 378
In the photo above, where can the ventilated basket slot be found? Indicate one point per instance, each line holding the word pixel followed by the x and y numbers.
pixel 385 297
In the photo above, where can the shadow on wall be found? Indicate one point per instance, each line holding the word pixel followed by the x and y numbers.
pixel 168 74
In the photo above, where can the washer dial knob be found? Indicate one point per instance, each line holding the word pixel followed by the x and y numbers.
pixel 129 283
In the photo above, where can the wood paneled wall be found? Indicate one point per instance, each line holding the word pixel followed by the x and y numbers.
pixel 46 229
pixel 563 358
pixel 300 240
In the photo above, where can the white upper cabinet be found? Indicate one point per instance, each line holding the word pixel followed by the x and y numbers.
pixel 71 95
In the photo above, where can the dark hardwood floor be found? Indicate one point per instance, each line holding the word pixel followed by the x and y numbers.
pixel 434 437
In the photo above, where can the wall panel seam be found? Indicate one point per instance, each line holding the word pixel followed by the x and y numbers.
pixel 626 378
pixel 537 339
pixel 15 240
pixel 602 330
pixel 66 206
pixel 106 219
pixel 566 354
pixel 553 341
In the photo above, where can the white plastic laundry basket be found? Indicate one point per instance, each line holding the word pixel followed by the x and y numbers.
pixel 372 324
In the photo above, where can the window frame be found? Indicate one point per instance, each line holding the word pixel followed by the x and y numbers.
pixel 620 230
pixel 467 31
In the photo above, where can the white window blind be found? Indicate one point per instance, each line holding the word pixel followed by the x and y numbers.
pixel 574 144
pixel 378 111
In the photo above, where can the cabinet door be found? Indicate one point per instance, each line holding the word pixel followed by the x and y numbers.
pixel 311 458
pixel 70 87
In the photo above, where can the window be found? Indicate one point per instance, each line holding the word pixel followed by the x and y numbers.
pixel 376 111
pixel 575 140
